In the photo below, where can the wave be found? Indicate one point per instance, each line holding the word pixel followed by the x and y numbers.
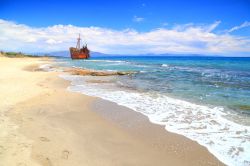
pixel 49 67
pixel 227 140
pixel 164 65
pixel 110 61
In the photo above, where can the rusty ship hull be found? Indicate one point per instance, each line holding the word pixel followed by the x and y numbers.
pixel 78 52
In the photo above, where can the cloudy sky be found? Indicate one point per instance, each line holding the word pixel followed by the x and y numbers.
pixel 127 27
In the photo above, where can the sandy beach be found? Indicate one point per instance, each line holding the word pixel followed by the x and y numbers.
pixel 41 123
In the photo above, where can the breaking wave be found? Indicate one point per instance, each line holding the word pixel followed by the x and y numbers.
pixel 228 141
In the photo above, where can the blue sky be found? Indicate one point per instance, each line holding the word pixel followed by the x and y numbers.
pixel 119 14
pixel 230 17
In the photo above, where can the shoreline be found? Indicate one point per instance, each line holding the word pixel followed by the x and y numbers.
pixel 65 128
pixel 140 126
pixel 212 126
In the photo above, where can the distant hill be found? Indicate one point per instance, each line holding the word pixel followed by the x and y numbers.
pixel 98 54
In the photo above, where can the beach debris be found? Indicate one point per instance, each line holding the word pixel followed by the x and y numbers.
pixel 44 139
pixel 65 154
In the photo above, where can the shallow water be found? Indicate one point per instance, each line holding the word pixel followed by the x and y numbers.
pixel 207 99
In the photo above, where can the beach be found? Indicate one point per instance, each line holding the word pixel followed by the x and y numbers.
pixel 42 123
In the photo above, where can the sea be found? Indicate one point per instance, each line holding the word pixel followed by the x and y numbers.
pixel 204 98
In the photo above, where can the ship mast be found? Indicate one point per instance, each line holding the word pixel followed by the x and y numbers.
pixel 78 45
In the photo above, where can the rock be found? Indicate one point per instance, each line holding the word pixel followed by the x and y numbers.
pixel 84 72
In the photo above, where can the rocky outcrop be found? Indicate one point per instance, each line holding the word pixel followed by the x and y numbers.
pixel 84 72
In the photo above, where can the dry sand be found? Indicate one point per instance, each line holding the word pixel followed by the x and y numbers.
pixel 41 123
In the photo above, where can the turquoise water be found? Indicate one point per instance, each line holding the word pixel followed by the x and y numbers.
pixel 206 99
pixel 218 81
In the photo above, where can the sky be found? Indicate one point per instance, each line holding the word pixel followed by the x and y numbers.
pixel 211 27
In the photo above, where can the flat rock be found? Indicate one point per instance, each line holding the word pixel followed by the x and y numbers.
pixel 84 72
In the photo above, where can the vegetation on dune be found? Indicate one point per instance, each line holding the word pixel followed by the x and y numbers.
pixel 15 54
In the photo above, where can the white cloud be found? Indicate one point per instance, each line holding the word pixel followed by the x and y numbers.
pixel 243 25
pixel 138 19
pixel 213 26
pixel 189 38
pixel 52 41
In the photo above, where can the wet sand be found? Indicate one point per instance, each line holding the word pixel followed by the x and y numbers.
pixel 41 123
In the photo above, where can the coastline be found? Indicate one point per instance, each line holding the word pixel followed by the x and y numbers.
pixel 54 126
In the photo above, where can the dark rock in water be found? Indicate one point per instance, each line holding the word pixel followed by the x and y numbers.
pixel 125 72
pixel 244 107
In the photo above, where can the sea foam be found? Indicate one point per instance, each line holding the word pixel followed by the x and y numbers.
pixel 228 141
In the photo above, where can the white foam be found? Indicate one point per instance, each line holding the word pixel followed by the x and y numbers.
pixel 164 65
pixel 49 67
pixel 228 141
pixel 46 67
pixel 111 61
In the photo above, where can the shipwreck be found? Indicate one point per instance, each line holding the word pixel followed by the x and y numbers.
pixel 78 52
